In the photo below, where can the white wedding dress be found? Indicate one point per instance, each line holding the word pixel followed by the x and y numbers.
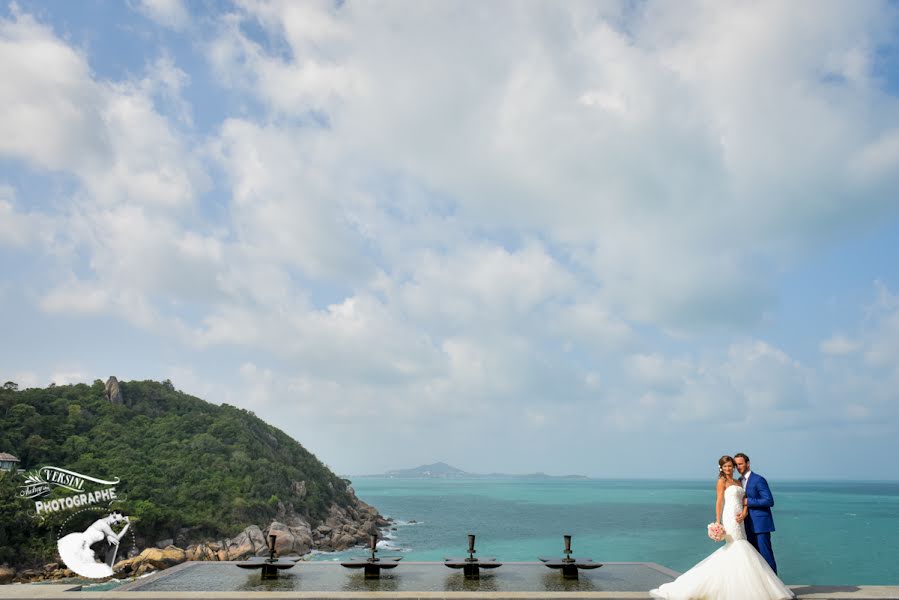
pixel 734 572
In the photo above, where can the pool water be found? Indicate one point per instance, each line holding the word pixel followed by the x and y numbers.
pixel 408 577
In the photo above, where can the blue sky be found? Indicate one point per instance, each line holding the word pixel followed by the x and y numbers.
pixel 615 239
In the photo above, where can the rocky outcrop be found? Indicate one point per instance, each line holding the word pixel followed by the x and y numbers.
pixel 151 559
pixel 348 526
pixel 345 527
pixel 249 542
pixel 113 391
pixel 289 540
pixel 298 488
pixel 7 574
pixel 48 572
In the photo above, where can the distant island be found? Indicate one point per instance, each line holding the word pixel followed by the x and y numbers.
pixel 441 470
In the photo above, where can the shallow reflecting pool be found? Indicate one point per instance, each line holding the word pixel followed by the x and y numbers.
pixel 408 577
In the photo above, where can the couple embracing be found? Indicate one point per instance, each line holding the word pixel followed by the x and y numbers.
pixel 744 569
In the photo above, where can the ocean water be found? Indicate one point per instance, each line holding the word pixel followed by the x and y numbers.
pixel 827 532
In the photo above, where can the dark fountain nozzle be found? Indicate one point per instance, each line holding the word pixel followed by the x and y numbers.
pixel 373 544
pixel 372 566
pixel 471 566
pixel 269 566
pixel 568 565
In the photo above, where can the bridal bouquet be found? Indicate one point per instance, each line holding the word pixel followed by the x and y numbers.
pixel 716 531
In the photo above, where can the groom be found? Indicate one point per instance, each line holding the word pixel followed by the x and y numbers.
pixel 759 499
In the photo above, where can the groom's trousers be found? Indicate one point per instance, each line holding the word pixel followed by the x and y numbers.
pixel 762 543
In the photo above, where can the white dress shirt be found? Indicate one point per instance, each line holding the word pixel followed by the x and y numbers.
pixel 745 479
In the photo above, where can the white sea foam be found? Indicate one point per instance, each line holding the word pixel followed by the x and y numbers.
pixel 384 544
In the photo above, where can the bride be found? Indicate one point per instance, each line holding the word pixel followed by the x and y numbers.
pixel 736 571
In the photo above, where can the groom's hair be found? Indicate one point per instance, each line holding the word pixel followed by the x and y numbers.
pixel 741 455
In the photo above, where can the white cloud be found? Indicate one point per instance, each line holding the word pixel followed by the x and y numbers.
pixel 641 145
pixel 857 383
pixel 149 165
pixel 880 157
pixel 288 206
pixel 68 377
pixel 355 340
pixel 839 345
pixel 24 379
pixel 20 229
pixel 136 181
pixel 881 333
pixel 753 383
pixel 482 286
pixel 421 213
pixel 767 378
pixel 135 250
pixel 587 322
pixel 76 297
pixel 309 79
pixel 165 82
pixel 659 372
pixel 258 385
pixel 108 134
pixel 172 14
pixel 50 103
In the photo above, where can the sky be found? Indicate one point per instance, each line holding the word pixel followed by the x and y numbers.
pixel 618 239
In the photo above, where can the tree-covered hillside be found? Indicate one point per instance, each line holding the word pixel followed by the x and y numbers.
pixel 189 469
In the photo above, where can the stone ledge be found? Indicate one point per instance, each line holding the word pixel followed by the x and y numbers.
pixel 70 592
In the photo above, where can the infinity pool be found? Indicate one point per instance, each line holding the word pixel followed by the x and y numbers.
pixel 408 577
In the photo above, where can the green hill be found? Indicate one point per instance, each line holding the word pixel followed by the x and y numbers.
pixel 189 470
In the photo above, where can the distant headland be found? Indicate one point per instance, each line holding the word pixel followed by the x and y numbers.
pixel 441 470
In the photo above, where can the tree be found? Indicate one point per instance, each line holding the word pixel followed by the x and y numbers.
pixel 187 467
pixel 11 386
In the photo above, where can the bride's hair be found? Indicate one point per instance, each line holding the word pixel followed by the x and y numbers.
pixel 721 462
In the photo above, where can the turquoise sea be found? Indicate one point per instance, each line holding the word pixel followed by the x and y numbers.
pixel 827 532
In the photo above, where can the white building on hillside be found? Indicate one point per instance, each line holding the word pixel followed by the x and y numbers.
pixel 8 462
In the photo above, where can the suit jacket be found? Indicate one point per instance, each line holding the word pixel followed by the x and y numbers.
pixel 759 499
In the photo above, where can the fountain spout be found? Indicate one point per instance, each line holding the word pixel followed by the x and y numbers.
pixel 470 565
pixel 269 566
pixel 372 565
pixel 567 564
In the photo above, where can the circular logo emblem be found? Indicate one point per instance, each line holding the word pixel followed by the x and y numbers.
pixel 93 539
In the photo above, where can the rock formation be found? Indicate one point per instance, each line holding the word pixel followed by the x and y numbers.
pixel 113 391
pixel 348 526
pixel 344 528
pixel 151 559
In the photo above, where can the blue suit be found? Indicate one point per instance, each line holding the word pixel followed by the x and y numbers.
pixel 760 523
